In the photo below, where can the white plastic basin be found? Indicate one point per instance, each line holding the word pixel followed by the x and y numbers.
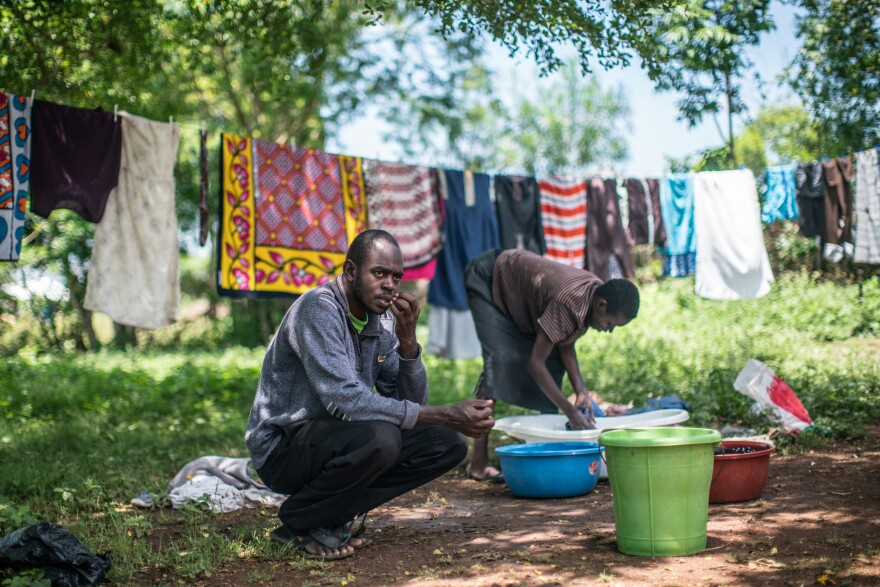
pixel 551 427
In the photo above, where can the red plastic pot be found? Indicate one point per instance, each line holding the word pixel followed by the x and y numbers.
pixel 740 477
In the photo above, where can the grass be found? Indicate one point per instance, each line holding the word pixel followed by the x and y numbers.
pixel 80 435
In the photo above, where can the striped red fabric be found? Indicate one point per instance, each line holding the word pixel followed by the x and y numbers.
pixel 405 201
pixel 564 214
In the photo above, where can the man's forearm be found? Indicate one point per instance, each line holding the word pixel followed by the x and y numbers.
pixel 433 415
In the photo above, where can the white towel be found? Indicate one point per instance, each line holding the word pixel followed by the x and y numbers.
pixel 732 262
pixel 134 274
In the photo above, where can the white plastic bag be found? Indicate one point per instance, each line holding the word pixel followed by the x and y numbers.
pixel 770 392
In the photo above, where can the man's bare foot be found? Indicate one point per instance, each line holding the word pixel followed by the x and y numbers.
pixel 316 549
pixel 358 542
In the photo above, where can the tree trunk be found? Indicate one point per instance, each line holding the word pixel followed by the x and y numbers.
pixel 123 336
pixel 85 316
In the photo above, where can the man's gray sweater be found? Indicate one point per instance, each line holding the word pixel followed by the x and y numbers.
pixel 317 364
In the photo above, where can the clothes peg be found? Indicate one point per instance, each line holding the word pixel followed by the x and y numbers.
pixel 204 126
pixel 115 112
pixel 33 93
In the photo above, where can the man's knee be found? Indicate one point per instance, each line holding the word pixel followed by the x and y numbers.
pixel 382 442
pixel 451 445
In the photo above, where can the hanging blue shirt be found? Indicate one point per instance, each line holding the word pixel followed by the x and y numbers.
pixel 469 230
pixel 780 202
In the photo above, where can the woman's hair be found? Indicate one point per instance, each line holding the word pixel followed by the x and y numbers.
pixel 622 297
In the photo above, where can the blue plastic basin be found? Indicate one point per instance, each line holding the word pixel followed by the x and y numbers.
pixel 550 469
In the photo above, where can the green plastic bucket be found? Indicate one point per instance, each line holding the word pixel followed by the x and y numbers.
pixel 660 480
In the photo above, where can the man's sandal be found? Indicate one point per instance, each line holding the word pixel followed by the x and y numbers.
pixel 342 535
pixel 282 535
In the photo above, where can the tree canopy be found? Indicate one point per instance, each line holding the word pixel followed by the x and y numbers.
pixel 837 71
pixel 700 52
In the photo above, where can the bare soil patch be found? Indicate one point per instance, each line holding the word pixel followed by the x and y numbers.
pixel 818 523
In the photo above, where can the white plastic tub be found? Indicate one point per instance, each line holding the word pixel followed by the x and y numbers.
pixel 551 427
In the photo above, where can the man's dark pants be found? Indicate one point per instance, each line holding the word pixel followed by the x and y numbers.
pixel 334 470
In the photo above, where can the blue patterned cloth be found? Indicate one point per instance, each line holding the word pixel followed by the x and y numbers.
pixel 677 209
pixel 780 201
pixel 680 265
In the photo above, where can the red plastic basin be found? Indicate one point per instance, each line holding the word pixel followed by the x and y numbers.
pixel 740 477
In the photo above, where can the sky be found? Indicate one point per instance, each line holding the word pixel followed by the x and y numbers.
pixel 654 134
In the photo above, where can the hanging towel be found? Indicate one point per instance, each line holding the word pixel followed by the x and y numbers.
pixel 75 157
pixel 836 238
pixel 133 276
pixel 470 230
pixel 606 239
pixel 780 202
pixel 810 184
pixel 405 201
pixel 203 187
pixel 518 203
pixel 677 210
pixel 866 232
pixel 15 155
pixel 287 215
pixel 564 215
pixel 732 262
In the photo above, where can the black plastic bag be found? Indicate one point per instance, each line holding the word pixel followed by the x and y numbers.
pixel 63 558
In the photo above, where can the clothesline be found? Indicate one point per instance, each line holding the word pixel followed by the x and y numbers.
pixel 287 214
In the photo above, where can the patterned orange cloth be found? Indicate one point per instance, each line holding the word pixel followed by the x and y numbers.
pixel 287 216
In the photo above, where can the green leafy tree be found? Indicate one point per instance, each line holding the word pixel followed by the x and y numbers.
pixel 284 71
pixel 568 124
pixel 574 123
pixel 779 134
pixel 700 52
pixel 837 71
pixel 607 33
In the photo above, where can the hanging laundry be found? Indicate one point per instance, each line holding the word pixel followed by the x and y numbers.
pixel 452 334
pixel 133 276
pixel 677 209
pixel 518 203
pixel 780 202
pixel 15 155
pixel 645 218
pixel 405 201
pixel 470 229
pixel 866 232
pixel 564 215
pixel 203 187
pixel 732 262
pixel 607 254
pixel 74 160
pixel 836 237
pixel 287 215
pixel 623 205
pixel 810 184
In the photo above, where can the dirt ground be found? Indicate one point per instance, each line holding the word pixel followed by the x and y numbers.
pixel 818 523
